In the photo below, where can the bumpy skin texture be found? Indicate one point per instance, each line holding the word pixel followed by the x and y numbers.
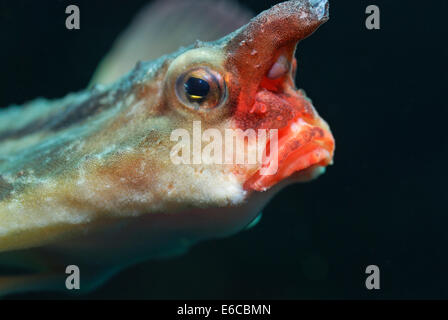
pixel 95 166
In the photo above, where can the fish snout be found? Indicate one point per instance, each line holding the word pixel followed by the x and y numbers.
pixel 265 47
pixel 261 59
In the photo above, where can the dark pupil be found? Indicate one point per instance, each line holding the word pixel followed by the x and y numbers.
pixel 196 88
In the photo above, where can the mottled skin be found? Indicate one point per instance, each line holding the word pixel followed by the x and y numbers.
pixel 90 174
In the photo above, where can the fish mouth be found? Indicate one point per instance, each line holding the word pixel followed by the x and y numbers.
pixel 303 151
pixel 262 56
pixel 300 143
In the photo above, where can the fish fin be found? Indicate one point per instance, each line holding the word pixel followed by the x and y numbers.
pixel 254 222
pixel 163 26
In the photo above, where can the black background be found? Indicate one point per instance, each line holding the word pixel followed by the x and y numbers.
pixel 384 202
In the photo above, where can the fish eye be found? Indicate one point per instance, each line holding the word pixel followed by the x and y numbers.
pixel 196 89
pixel 201 88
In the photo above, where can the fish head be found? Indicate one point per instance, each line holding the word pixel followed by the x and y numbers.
pixel 244 84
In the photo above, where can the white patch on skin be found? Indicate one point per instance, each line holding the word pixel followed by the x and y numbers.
pixel 135 108
pixel 81 177
pixel 279 68
pixel 130 99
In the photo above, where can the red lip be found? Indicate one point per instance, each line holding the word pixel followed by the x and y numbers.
pixel 300 146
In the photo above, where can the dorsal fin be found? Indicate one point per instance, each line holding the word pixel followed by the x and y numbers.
pixel 164 26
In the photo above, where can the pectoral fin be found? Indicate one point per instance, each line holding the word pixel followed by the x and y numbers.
pixel 255 221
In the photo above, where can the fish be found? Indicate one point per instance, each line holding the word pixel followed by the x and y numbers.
pixel 91 179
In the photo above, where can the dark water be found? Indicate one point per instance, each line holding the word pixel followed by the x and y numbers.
pixel 384 202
